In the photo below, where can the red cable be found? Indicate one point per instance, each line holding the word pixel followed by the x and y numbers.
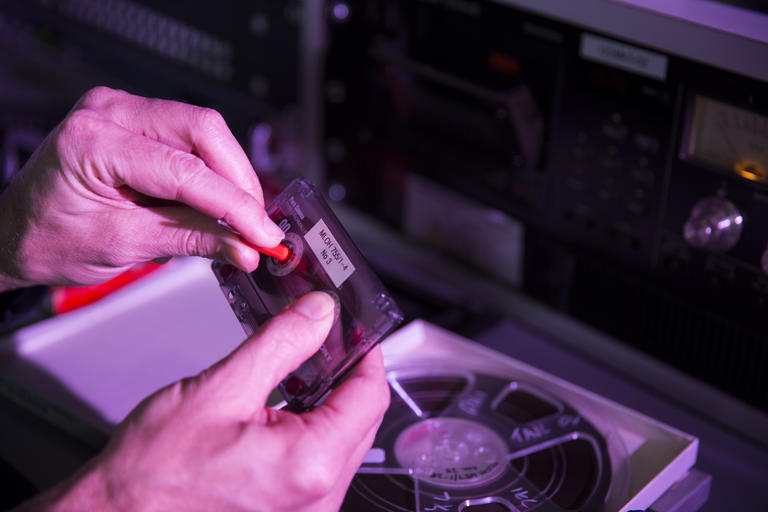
pixel 67 298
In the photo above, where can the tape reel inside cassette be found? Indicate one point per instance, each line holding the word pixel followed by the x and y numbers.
pixel 465 441
pixel 322 257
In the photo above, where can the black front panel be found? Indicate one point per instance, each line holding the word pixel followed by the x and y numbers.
pixel 602 162
pixel 241 58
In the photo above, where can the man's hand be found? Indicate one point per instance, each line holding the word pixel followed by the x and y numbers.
pixel 209 443
pixel 125 179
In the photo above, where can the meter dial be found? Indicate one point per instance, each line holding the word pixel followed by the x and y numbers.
pixel 729 137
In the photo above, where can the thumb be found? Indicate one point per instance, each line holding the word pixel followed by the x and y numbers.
pixel 248 375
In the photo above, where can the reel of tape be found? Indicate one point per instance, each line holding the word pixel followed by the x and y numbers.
pixel 463 441
pixel 323 257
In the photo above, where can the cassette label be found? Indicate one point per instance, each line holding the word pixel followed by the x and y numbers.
pixel 329 253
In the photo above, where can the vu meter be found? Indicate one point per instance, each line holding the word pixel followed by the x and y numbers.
pixel 729 138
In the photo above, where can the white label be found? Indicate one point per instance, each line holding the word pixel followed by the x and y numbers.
pixel 623 56
pixel 329 253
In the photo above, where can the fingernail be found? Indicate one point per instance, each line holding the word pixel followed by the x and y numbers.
pixel 314 305
pixel 273 230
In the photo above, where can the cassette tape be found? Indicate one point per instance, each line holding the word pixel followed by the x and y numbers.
pixel 322 257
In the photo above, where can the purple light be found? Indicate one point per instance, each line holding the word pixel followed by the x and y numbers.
pixel 340 11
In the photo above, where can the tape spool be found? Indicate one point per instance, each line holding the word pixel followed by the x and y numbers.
pixel 456 440
pixel 294 242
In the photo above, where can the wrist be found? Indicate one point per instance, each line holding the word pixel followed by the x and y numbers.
pixel 10 240
pixel 86 490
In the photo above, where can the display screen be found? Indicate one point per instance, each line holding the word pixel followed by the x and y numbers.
pixel 730 138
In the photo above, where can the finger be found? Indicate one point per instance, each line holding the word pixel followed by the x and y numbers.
pixel 357 405
pixel 179 231
pixel 188 128
pixel 161 171
pixel 258 365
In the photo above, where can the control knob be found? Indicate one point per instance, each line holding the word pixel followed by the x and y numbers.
pixel 714 224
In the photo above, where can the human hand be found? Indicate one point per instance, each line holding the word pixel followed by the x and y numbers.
pixel 210 443
pixel 125 179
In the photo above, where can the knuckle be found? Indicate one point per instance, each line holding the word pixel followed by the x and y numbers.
pixel 245 201
pixel 192 243
pixel 174 393
pixel 315 480
pixel 98 97
pixel 188 385
pixel 316 465
pixel 189 169
pixel 241 202
pixel 209 120
pixel 167 400
pixel 80 126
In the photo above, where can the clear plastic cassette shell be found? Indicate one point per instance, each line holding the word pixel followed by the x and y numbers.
pixel 323 257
